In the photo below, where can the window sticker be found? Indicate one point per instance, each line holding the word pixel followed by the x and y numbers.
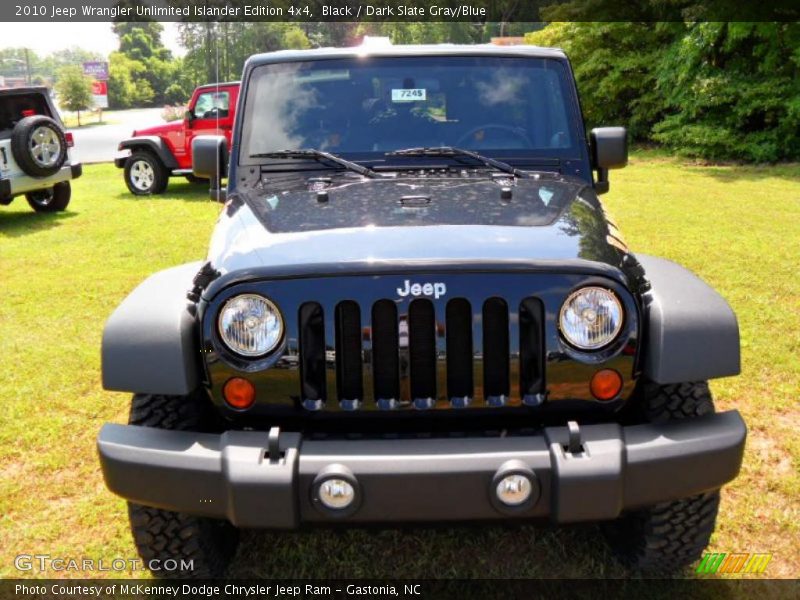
pixel 412 95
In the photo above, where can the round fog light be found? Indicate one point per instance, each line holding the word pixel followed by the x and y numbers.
pixel 336 493
pixel 514 489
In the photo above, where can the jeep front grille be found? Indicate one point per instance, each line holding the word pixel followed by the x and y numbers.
pixel 435 355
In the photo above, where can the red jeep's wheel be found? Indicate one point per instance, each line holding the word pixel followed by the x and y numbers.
pixel 145 174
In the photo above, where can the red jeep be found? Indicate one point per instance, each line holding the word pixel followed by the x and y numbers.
pixel 155 154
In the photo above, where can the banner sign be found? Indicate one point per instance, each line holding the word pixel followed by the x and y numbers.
pixel 98 71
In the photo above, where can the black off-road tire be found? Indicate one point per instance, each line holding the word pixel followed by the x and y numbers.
pixel 145 174
pixel 26 146
pixel 666 538
pixel 54 199
pixel 164 535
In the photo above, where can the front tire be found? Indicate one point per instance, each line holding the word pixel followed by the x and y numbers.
pixel 145 174
pixel 54 199
pixel 670 536
pixel 164 535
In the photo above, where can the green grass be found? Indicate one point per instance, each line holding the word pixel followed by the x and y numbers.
pixel 62 275
pixel 88 119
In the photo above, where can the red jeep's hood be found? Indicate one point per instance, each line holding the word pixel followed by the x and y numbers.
pixel 160 129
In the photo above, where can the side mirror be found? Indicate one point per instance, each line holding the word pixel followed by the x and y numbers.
pixel 609 147
pixel 188 117
pixel 210 161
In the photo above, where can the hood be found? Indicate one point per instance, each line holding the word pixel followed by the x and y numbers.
pixel 159 129
pixel 547 221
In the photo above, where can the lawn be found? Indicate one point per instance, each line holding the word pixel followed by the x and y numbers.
pixel 62 275
pixel 88 118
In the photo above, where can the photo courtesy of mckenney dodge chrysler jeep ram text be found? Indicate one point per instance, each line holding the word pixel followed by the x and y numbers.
pixel 415 309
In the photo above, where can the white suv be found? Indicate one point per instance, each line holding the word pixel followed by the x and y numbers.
pixel 36 156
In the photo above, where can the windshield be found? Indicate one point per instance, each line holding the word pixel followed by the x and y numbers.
pixel 363 107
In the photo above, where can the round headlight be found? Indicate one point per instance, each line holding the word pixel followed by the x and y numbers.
pixel 250 325
pixel 591 318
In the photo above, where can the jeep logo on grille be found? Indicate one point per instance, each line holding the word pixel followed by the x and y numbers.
pixel 436 289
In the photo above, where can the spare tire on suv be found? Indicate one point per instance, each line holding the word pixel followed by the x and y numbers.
pixel 39 146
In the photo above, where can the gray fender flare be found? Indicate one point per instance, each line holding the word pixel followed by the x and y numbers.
pixel 154 144
pixel 150 340
pixel 691 333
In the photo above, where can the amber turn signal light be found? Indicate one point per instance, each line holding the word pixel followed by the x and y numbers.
pixel 606 384
pixel 239 393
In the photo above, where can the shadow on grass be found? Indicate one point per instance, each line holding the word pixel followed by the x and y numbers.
pixel 17 224
pixel 725 172
pixel 467 552
pixel 789 172
pixel 177 190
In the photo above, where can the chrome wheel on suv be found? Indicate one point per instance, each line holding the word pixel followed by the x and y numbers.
pixel 144 174
pixel 45 147
pixel 39 146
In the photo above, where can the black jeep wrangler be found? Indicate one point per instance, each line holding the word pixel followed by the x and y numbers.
pixel 414 309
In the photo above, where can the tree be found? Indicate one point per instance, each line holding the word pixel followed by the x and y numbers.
pixel 615 68
pixel 295 38
pixel 148 70
pixel 732 90
pixel 127 86
pixel 708 89
pixel 74 89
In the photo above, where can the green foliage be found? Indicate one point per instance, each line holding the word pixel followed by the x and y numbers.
pixel 217 51
pixel 74 89
pixel 733 91
pixel 613 65
pixel 17 62
pixel 176 94
pixel 706 89
pixel 295 38
pixel 127 85
pixel 144 72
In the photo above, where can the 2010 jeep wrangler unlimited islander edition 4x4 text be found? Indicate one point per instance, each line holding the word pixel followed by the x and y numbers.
pixel 35 152
pixel 414 309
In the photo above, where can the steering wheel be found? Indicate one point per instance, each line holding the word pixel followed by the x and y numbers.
pixel 215 112
pixel 468 137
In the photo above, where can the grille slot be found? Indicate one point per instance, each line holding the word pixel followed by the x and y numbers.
pixel 496 357
pixel 349 376
pixel 422 352
pixel 531 349
pixel 469 351
pixel 312 355
pixel 458 319
pixel 385 352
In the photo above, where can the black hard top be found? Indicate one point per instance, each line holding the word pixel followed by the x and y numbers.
pixel 216 85
pixel 387 49
pixel 24 90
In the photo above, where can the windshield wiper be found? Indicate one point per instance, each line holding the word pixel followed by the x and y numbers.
pixel 453 151
pixel 319 155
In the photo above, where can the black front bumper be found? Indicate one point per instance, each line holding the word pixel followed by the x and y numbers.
pixel 236 476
